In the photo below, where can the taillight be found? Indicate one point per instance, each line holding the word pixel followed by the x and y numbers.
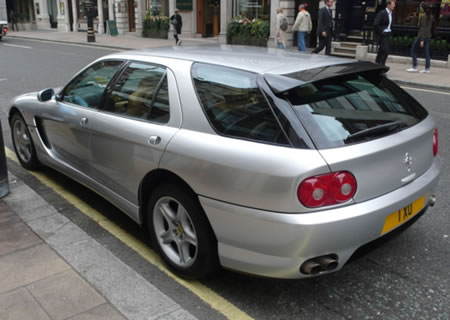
pixel 327 189
pixel 5 30
pixel 435 142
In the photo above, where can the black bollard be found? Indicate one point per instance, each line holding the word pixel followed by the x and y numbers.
pixel 4 186
pixel 90 11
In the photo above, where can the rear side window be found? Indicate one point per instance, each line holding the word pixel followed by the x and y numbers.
pixel 235 105
pixel 354 108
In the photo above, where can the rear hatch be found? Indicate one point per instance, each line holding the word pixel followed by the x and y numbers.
pixel 363 123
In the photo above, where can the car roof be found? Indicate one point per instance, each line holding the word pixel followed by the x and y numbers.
pixel 255 59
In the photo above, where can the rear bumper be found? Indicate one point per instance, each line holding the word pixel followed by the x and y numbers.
pixel 276 244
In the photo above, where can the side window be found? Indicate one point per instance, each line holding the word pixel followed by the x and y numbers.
pixel 140 92
pixel 87 88
pixel 235 105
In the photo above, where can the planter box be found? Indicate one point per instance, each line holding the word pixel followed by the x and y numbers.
pixel 155 34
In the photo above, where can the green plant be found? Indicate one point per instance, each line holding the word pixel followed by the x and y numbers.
pixel 156 22
pixel 242 30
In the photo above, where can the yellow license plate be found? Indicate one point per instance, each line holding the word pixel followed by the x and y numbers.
pixel 398 217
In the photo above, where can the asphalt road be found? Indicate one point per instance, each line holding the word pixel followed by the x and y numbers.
pixel 404 278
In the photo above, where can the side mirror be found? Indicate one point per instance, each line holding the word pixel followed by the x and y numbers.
pixel 46 95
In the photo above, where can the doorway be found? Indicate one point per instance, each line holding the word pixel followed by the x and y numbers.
pixel 208 18
pixel 131 18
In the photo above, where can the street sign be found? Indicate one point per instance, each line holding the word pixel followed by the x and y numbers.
pixel 184 5
pixel 112 28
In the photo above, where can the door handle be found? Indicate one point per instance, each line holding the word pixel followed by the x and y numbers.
pixel 154 140
pixel 84 121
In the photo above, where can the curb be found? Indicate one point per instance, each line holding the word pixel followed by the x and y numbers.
pixel 420 85
pixel 72 42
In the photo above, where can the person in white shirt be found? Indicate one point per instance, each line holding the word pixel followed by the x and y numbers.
pixel 302 25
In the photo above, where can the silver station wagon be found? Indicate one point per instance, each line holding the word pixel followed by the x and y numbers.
pixel 264 161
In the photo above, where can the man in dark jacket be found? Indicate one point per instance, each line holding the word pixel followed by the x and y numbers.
pixel 382 31
pixel 325 28
pixel 177 23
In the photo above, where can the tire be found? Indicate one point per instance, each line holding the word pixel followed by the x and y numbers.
pixel 23 143
pixel 181 233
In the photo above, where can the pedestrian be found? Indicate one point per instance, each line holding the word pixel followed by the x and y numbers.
pixel 13 21
pixel 281 30
pixel 382 32
pixel 302 25
pixel 423 39
pixel 325 28
pixel 177 23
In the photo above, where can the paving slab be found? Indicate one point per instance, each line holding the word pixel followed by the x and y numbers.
pixel 15 235
pixel 19 304
pixel 102 312
pixel 65 294
pixel 24 267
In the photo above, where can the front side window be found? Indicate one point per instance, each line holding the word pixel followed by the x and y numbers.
pixel 353 108
pixel 140 92
pixel 235 105
pixel 87 88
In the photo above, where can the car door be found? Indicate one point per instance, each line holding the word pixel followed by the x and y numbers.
pixel 66 123
pixel 137 121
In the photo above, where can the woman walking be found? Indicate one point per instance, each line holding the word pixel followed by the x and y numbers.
pixel 281 28
pixel 177 23
pixel 423 39
pixel 302 25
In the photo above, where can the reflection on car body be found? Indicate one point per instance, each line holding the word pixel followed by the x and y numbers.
pixel 264 161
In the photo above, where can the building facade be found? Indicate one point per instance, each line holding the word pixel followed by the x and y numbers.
pixel 353 19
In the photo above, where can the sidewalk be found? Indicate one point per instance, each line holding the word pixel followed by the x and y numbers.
pixel 437 79
pixel 50 269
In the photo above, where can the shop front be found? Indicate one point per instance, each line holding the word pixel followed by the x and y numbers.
pixel 355 18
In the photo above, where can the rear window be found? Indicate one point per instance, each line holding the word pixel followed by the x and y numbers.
pixel 353 108
pixel 235 105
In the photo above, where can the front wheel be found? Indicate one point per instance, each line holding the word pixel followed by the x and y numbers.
pixel 23 144
pixel 181 233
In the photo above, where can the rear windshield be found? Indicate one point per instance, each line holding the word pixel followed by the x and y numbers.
pixel 353 108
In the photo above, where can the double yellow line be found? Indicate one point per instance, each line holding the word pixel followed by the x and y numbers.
pixel 209 296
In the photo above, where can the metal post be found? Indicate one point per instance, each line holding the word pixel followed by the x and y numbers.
pixel 4 186
pixel 90 10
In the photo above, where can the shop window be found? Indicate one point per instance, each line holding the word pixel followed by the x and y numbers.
pixel 408 12
pixel 255 9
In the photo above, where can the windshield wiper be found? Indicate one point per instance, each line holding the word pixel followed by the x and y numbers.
pixel 381 129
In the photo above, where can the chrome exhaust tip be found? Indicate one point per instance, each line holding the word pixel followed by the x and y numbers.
pixel 320 264
pixel 432 200
pixel 327 263
pixel 311 267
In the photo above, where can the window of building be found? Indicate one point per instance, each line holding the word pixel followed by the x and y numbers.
pixel 157 7
pixel 255 9
pixel 408 12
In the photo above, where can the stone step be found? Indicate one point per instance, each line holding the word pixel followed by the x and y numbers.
pixel 345 50
pixel 343 55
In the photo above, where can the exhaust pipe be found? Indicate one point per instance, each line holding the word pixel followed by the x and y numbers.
pixel 327 263
pixel 319 264
pixel 311 267
pixel 432 200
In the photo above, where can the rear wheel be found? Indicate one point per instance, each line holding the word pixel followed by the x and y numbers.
pixel 23 144
pixel 181 233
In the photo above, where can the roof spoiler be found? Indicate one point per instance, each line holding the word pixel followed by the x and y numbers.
pixel 285 82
